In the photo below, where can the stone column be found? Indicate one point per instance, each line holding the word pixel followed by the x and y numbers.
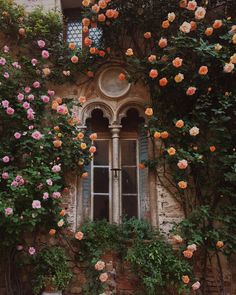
pixel 116 210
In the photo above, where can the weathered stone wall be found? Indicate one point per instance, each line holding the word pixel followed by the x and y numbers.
pixel 45 4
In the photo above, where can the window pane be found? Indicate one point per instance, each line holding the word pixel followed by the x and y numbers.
pixel 74 33
pixel 101 207
pixel 101 180
pixel 96 35
pixel 128 152
pixel 129 180
pixel 129 206
pixel 101 157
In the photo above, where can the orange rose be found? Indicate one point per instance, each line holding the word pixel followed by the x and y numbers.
pixel 185 279
pixel 102 4
pixel 152 58
pixel 217 24
pixel 182 184
pixel 188 254
pixel 84 175
pixel 93 136
pixel 177 62
pixel 162 43
pixel 55 105
pixel 203 70
pixel 193 25
pixel 179 124
pixel 110 13
pixel 121 77
pixel 87 41
pixel 72 45
pixel 80 135
pixel 92 50
pixel 149 112
pixel 57 143
pixel 147 35
pixel 52 232
pixel 163 82
pixel 95 8
pixel 171 151
pixel 115 13
pixel 74 59
pixel 86 21
pixel 83 145
pixel 62 213
pixel 153 73
pixel 165 24
pixel 164 134
pixel 56 128
pixel 85 29
pixel 209 31
pixel 141 166
pixel 79 235
pixel 212 148
pixel 92 149
pixel 220 244
pixel 157 135
pixel 59 100
pixel 101 17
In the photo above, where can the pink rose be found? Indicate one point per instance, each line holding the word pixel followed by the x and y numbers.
pixel 10 111
pixel 100 265
pixel 6 49
pixel 2 61
pixel 34 61
pixel 56 168
pixel 182 164
pixel 6 75
pixel 41 43
pixel 45 98
pixel 36 204
pixel 185 27
pixel 192 247
pixel 45 196
pixel 20 97
pixel 51 92
pixel 56 195
pixel 162 42
pixel 5 175
pixel 26 105
pixel 32 250
pixel 36 84
pixel 191 90
pixel 30 97
pixel 17 135
pixel 36 135
pixel 196 286
pixel 30 114
pixel 8 211
pixel 200 13
pixel 19 247
pixel 45 54
pixel 49 182
pixel 5 103
pixel 192 5
pixel 27 89
pixel 5 159
pixel 103 277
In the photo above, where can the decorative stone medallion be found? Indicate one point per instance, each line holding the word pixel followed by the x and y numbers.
pixel 109 83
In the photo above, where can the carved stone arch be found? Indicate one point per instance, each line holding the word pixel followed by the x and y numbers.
pixel 105 108
pixel 123 109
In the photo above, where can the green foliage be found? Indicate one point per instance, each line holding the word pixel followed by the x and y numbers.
pixel 51 270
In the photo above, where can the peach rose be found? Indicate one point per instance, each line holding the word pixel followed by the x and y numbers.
pixel 165 24
pixel 74 59
pixel 86 3
pixel 212 148
pixel 209 31
pixel 92 149
pixel 149 112
pixel 100 265
pixel 87 41
pixel 95 8
pixel 84 175
pixel 164 134
pixel 191 90
pixel 52 232
pixel 182 184
pixel 163 82
pixel 152 58
pixel 60 223
pixel 177 62
pixel 79 235
pixel 92 50
pixel 171 151
pixel 86 21
pixel 66 73
pixel 182 164
pixel 192 5
pixel 63 212
pixel 21 31
pixel 82 99
pixel 157 135
pixel 203 70
pixel 83 145
pixel 192 247
pixel 101 17
pixel 228 67
pixel 129 52
pixel 80 135
pixel 57 143
pixel 179 78
pixel 93 136
pixel 121 77
pixel 72 46
pixel 171 17
pixel 162 43
pixel 153 73
pixel 185 27
pixel 219 244
pixel 233 58
pixel 85 29
pixel 110 13
pixel 194 131
pixel 177 239
pixel 217 24
pixel 234 39
pixel 200 13
pixel 147 35
pixel 188 254
pixel 141 166
pixel 196 286
pixel 179 124
pixel 103 277
pixel 102 4
pixel 185 279
pixel 46 71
